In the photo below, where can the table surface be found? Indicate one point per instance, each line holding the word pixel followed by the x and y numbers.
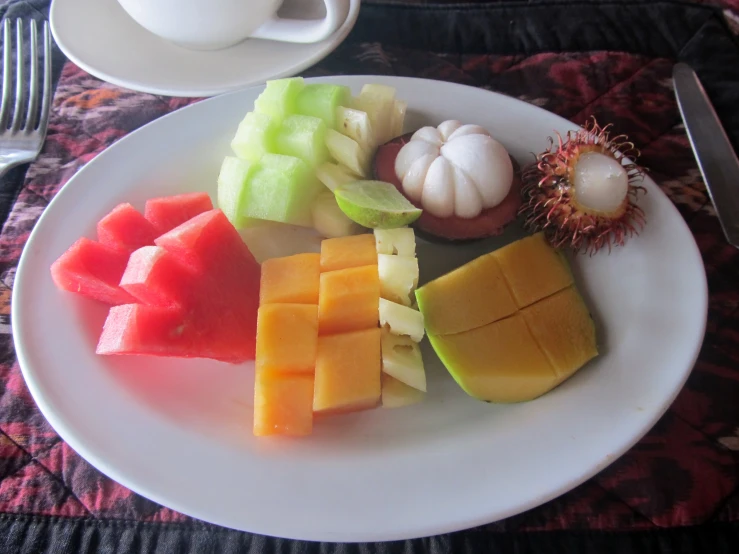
pixel 675 491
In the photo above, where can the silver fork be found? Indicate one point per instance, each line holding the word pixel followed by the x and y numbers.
pixel 22 123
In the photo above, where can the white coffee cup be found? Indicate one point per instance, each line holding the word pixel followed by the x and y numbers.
pixel 216 24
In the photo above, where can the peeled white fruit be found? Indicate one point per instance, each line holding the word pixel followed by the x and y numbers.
pixel 396 394
pixel 454 169
pixel 347 152
pixel 400 241
pixel 401 320
pixel 401 358
pixel 398 277
pixel 333 175
pixel 329 220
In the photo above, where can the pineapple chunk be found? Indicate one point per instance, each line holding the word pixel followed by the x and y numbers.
pixel 401 320
pixel 379 103
pixel 401 359
pixel 398 277
pixel 400 241
pixel 329 220
pixel 355 124
pixel 399 109
pixel 333 175
pixel 396 394
pixel 347 152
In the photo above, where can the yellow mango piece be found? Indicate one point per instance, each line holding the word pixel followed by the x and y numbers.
pixel 347 372
pixel 287 335
pixel 346 252
pixel 348 300
pixel 471 296
pixel 533 269
pixel 396 394
pixel 290 280
pixel 499 362
pixel 283 404
pixel 563 329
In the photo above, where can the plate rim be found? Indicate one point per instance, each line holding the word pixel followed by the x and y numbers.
pixel 69 436
pixel 332 42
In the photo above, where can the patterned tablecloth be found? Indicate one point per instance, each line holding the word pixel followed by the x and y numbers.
pixel 675 491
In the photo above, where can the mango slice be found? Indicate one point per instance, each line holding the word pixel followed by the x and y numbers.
pixel 347 372
pixel 291 280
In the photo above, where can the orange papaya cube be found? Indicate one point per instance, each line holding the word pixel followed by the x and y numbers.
pixel 348 300
pixel 346 252
pixel 286 337
pixel 290 280
pixel 347 372
pixel 283 404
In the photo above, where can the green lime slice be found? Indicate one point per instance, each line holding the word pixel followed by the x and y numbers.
pixel 375 204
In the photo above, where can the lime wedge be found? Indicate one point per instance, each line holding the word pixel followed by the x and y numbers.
pixel 375 204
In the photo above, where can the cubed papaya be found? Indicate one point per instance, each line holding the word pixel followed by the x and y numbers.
pixel 283 404
pixel 290 280
pixel 346 252
pixel 286 337
pixel 348 300
pixel 347 372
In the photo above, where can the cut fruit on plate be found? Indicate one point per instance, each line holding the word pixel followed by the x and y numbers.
pixel 329 220
pixel 376 205
pixel 401 320
pixel 401 359
pixel 333 175
pixel 396 394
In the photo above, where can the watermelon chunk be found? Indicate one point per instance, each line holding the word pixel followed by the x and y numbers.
pixel 197 292
pixel 92 269
pixel 168 212
pixel 125 228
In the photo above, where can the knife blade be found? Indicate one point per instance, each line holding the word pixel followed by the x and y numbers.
pixel 713 151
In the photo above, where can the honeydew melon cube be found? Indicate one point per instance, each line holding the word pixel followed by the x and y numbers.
pixel 333 175
pixel 304 137
pixel 401 320
pixel 321 100
pixel 356 125
pixel 281 188
pixel 398 277
pixel 329 220
pixel 279 97
pixel 233 188
pixel 400 241
pixel 254 137
pixel 401 359
pixel 348 153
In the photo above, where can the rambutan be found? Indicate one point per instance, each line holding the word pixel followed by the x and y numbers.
pixel 582 191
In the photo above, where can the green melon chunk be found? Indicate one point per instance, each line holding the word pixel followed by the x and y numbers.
pixel 254 137
pixel 281 188
pixel 321 101
pixel 304 137
pixel 233 188
pixel 279 97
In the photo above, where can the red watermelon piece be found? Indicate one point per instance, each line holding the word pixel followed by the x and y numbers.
pixel 168 212
pixel 197 293
pixel 125 228
pixel 93 269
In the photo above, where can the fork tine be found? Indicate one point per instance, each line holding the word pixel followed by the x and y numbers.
pixel 7 48
pixel 20 76
pixel 33 94
pixel 46 98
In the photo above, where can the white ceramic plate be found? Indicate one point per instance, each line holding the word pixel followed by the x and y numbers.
pixel 101 38
pixel 179 432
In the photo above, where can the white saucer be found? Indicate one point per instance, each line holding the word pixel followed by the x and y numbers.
pixel 100 37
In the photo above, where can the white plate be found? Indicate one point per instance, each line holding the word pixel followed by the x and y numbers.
pixel 100 37
pixel 179 432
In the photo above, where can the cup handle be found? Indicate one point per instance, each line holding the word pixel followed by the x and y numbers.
pixel 305 30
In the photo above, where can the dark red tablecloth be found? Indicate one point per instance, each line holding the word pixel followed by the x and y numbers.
pixel 675 491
